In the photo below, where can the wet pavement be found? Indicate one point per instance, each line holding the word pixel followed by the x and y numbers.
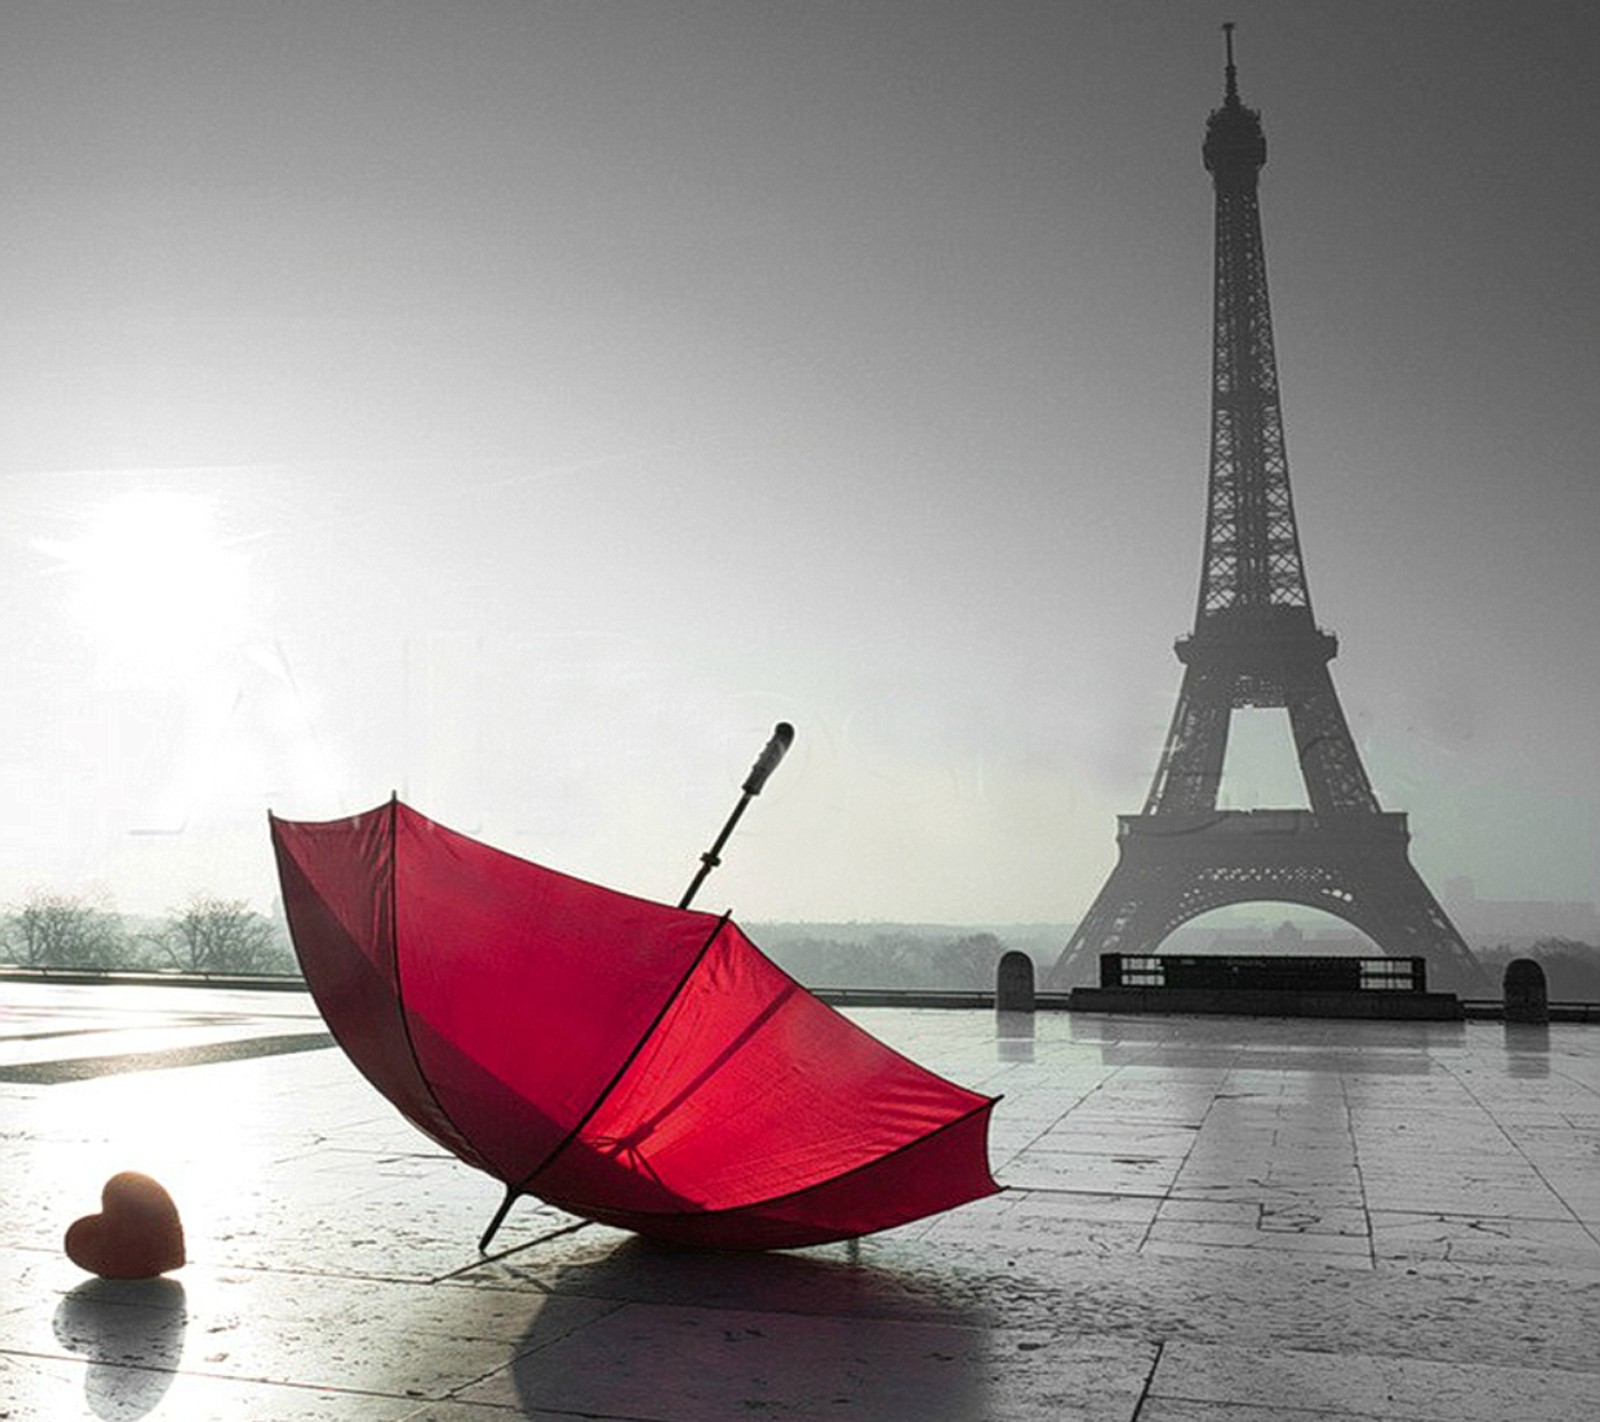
pixel 1223 1219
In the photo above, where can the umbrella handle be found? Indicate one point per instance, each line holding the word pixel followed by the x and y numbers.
pixel 767 761
pixel 774 751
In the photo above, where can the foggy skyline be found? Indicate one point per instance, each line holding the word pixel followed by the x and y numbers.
pixel 523 407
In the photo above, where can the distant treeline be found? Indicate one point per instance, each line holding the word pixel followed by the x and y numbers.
pixel 883 956
pixel 226 936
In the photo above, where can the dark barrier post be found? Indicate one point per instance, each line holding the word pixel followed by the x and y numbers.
pixel 1527 999
pixel 1014 983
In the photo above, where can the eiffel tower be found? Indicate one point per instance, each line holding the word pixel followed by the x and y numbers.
pixel 1255 644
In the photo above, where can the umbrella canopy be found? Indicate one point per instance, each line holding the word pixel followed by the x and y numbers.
pixel 628 1062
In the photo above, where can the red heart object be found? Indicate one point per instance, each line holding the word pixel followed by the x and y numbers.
pixel 137 1235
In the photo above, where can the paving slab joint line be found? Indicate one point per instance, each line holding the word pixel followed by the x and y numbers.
pixel 1528 1160
pixel 71 1355
pixel 1149 1382
pixel 455 1394
pixel 84 1361
pixel 1047 1129
pixel 1361 1178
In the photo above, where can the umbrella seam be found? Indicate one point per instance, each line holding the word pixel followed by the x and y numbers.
pixel 399 985
pixel 604 1095
pixel 338 1032
pixel 987 1105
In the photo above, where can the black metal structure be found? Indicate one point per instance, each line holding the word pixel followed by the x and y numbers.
pixel 1256 644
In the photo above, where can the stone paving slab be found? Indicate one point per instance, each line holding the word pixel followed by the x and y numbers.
pixel 1344 1386
pixel 1205 1218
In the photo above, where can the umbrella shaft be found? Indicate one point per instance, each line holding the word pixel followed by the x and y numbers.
pixel 712 857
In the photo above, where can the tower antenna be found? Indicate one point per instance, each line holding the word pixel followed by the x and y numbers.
pixel 1231 73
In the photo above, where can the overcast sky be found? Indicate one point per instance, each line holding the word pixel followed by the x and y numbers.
pixel 523 406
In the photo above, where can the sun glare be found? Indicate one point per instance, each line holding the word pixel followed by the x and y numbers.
pixel 156 584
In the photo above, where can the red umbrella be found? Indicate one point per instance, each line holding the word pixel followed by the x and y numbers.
pixel 629 1062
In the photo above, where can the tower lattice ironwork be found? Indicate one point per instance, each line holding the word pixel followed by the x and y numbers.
pixel 1256 644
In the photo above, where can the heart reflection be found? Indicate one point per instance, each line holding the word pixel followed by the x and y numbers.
pixel 132 1332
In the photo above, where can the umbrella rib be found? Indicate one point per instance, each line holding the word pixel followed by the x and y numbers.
pixel 628 1061
pixel 739 1042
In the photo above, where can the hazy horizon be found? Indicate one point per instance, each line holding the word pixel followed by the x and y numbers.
pixel 523 407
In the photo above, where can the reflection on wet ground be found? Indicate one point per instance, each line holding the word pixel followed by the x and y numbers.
pixel 132 1333
pixel 1204 1218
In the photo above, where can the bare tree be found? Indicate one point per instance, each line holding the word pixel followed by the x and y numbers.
pixel 59 931
pixel 212 935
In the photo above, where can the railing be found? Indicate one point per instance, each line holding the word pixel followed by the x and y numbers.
pixel 160 977
pixel 1386 974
